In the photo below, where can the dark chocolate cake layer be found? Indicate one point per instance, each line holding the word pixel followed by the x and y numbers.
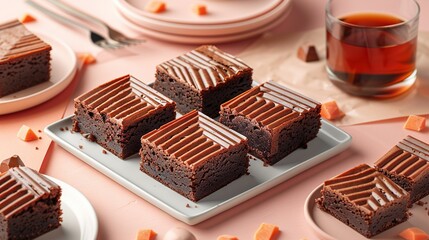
pixel 202 79
pixel 29 204
pixel 194 155
pixel 365 200
pixel 276 120
pixel 407 164
pixel 117 113
pixel 24 58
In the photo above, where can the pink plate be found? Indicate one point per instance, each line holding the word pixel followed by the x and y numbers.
pixel 329 228
pixel 189 39
pixel 219 12
pixel 205 30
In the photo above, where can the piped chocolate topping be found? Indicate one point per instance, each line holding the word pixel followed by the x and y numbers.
pixel 193 138
pixel 20 187
pixel 17 41
pixel 271 104
pixel 204 67
pixel 409 158
pixel 125 100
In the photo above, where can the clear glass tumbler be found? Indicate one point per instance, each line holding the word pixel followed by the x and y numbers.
pixel 371 45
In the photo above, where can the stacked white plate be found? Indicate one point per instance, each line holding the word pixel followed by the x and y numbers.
pixel 227 20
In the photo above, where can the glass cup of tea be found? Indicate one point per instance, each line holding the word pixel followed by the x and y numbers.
pixel 371 46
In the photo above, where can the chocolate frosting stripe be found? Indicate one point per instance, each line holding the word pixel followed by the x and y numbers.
pixel 366 187
pixel 193 138
pixel 17 40
pixel 233 62
pixel 273 86
pixel 125 99
pixel 20 187
pixel 408 158
pixel 203 67
pixel 416 147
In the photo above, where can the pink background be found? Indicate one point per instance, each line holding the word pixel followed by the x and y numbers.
pixel 120 212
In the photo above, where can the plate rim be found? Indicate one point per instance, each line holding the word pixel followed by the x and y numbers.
pixel 27 101
pixel 130 7
pixel 188 39
pixel 84 206
pixel 206 30
pixel 213 210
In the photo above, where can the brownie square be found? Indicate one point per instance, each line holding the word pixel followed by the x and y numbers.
pixel 116 114
pixel 29 204
pixel 202 79
pixel 276 120
pixel 24 58
pixel 407 164
pixel 194 155
pixel 365 200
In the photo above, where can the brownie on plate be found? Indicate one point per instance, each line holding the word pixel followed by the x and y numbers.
pixel 202 79
pixel 194 155
pixel 407 164
pixel 365 200
pixel 29 204
pixel 24 58
pixel 276 120
pixel 116 114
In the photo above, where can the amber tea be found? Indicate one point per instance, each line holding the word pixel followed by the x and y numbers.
pixel 371 54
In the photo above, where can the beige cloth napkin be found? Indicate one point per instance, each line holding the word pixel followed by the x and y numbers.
pixel 273 57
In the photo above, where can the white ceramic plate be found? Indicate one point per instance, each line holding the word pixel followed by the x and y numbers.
pixel 219 12
pixel 79 218
pixel 329 228
pixel 208 29
pixel 205 39
pixel 63 69
pixel 329 142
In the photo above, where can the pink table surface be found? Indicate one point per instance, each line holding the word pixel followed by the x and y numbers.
pixel 120 212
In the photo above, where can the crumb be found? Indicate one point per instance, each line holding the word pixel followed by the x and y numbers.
pixel 104 151
pixel 89 136
pixel 410 214
pixel 80 146
pixel 39 131
pixel 187 205
pixel 426 208
pixel 67 128
pixel 420 203
pixel 40 138
pixel 265 165
pixel 61 129
pixel 196 206
pixel 37 148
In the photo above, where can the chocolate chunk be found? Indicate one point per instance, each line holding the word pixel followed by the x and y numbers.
pixel 308 53
pixel 11 162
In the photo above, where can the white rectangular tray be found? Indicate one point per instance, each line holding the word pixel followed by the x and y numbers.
pixel 329 142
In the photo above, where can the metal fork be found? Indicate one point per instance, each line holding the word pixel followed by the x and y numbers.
pixel 96 37
pixel 112 33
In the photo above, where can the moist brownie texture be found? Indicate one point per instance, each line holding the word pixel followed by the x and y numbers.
pixel 407 164
pixel 275 120
pixel 24 58
pixel 365 200
pixel 29 204
pixel 194 155
pixel 202 79
pixel 117 113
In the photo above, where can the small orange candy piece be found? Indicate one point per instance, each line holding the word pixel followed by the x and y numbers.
pixel 266 231
pixel 146 234
pixel 415 123
pixel 25 133
pixel 87 58
pixel 26 18
pixel 331 111
pixel 156 6
pixel 414 233
pixel 227 237
pixel 199 9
